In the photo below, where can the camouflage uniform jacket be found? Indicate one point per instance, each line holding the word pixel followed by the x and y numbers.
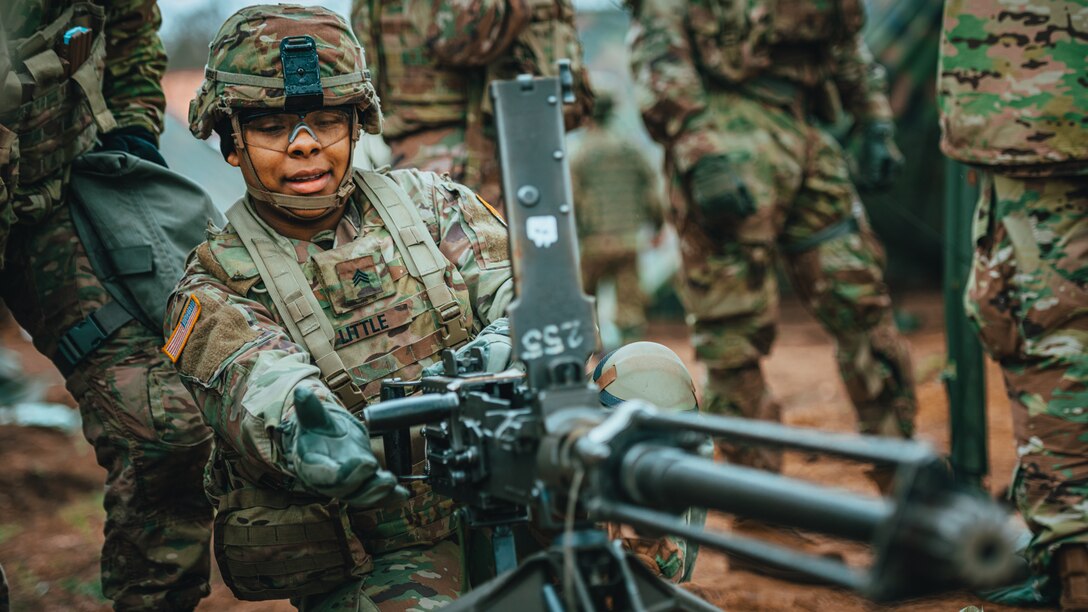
pixel 47 118
pixel 616 191
pixel 432 61
pixel 684 53
pixel 1012 89
pixel 240 362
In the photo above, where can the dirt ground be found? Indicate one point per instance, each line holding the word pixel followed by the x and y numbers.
pixel 50 486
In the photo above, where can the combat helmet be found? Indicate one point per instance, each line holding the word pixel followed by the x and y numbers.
pixel 245 71
pixel 645 371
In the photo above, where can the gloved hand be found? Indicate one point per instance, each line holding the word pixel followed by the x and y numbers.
pixel 329 451
pixel 133 139
pixel 493 340
pixel 879 160
pixel 719 191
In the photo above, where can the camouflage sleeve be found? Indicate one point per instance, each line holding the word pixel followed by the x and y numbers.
pixel 668 87
pixel 470 234
pixel 861 81
pixel 239 364
pixel 135 63
pixel 475 32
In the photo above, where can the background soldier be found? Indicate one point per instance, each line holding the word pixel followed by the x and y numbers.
pixel 71 75
pixel 1018 109
pixel 617 192
pixel 736 92
pixel 290 316
pixel 432 63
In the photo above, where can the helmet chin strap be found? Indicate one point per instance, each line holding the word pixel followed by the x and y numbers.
pixel 258 191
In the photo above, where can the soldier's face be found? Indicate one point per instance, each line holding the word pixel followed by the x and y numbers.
pixel 305 168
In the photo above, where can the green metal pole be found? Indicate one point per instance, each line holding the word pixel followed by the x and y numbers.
pixel 965 374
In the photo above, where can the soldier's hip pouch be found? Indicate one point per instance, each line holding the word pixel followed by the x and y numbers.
pixel 424 519
pixel 277 545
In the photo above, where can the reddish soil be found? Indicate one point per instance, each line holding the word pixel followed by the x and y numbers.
pixel 50 501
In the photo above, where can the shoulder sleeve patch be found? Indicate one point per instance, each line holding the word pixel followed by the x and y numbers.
pixel 189 315
pixel 494 212
pixel 489 234
pixel 223 330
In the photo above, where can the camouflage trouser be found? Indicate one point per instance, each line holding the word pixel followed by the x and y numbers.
pixel 444 151
pixel 1027 294
pixel 622 268
pixel 417 578
pixel 146 431
pixel 808 217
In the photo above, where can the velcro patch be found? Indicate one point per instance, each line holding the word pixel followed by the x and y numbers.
pixel 189 314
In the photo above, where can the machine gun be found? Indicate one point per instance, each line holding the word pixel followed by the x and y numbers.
pixel 537 444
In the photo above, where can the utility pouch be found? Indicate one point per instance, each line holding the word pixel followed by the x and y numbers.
pixel 424 519
pixel 52 95
pixel 138 221
pixel 278 545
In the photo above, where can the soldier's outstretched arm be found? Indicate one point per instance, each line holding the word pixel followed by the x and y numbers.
pixel 135 64
pixel 238 362
pixel 329 451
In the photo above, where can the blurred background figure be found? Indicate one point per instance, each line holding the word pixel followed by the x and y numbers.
pixel 617 195
pixel 739 98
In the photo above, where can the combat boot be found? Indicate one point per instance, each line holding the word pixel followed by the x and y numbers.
pixel 1073 571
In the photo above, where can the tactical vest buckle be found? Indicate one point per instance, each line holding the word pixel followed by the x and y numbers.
pixel 449 312
pixel 344 388
pixel 454 331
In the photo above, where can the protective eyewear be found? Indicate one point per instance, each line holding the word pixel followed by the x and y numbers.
pixel 277 130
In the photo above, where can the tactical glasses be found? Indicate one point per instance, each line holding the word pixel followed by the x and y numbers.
pixel 276 130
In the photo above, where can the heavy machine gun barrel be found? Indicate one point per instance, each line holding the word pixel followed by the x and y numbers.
pixel 663 477
pixel 538 445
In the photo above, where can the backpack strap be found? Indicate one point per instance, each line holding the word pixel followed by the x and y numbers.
pixel 294 300
pixel 421 255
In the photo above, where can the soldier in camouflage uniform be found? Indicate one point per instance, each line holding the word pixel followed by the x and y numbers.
pixel 616 191
pixel 325 282
pixel 1014 101
pixel 736 91
pixel 146 430
pixel 432 62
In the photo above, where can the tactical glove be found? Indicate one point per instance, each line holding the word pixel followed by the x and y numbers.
pixel 493 340
pixel 719 191
pixel 133 139
pixel 329 450
pixel 879 160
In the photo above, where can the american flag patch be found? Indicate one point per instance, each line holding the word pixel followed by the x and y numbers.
pixel 181 332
